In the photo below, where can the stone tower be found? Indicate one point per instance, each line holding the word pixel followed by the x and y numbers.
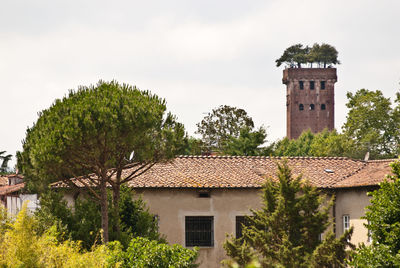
pixel 310 99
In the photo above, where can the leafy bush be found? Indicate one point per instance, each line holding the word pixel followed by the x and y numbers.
pixel 146 253
pixel 21 245
pixel 84 221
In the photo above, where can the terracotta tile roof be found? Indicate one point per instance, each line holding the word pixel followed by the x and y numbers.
pixel 373 173
pixel 3 180
pixel 244 172
pixel 11 188
pixel 251 172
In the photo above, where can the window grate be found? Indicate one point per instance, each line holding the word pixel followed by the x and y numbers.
pixel 301 84
pixel 199 231
pixel 312 85
pixel 241 221
pixel 322 84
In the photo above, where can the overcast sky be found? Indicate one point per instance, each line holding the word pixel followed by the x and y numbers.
pixel 195 54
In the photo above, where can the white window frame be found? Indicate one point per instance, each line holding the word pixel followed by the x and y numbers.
pixel 346 222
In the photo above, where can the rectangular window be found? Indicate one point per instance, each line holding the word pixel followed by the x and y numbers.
pixel 322 84
pixel 240 223
pixel 346 222
pixel 301 84
pixel 312 85
pixel 199 231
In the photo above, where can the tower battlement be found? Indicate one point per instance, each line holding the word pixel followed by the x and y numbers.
pixel 310 99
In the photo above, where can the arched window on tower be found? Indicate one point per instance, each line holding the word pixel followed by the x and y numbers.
pixel 301 107
pixel 312 107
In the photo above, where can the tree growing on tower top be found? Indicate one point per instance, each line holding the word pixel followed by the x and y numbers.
pixel 295 56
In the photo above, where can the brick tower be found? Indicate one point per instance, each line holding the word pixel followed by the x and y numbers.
pixel 310 99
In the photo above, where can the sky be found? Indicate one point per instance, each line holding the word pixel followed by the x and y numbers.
pixel 197 55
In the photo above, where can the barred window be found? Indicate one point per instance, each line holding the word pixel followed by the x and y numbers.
pixel 301 84
pixel 322 84
pixel 241 221
pixel 301 107
pixel 312 85
pixel 199 231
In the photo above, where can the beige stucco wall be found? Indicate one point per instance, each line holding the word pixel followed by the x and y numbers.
pixel 172 205
pixel 352 202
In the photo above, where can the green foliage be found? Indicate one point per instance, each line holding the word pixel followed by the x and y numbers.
pixel 372 123
pixel 297 55
pixel 194 146
pixel 145 253
pixel 325 143
pixel 294 55
pixel 285 231
pixel 229 129
pixel 95 129
pixel 248 143
pixel 83 222
pixel 383 216
pixel 4 162
pixel 21 245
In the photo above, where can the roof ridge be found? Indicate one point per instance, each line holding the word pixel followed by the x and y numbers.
pixel 383 160
pixel 269 157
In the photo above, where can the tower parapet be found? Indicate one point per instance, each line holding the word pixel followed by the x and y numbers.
pixel 310 99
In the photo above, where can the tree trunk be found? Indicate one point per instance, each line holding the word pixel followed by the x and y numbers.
pixel 104 210
pixel 116 199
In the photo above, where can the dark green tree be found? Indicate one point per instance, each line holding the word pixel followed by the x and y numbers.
pixel 383 217
pixel 324 55
pixel 294 56
pixel 4 162
pixel 222 124
pixel 248 143
pixel 285 231
pixel 93 134
pixel 83 221
pixel 372 123
pixel 325 143
pixel 297 55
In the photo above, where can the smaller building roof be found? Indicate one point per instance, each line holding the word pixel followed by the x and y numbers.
pixel 6 188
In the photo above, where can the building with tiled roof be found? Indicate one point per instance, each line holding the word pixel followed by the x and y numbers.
pixel 199 199
pixel 11 196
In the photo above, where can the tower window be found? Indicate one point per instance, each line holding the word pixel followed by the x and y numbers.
pixel 312 85
pixel 312 107
pixel 301 84
pixel 322 84
pixel 323 106
pixel 301 107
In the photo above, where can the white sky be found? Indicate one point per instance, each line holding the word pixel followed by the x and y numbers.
pixel 195 54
